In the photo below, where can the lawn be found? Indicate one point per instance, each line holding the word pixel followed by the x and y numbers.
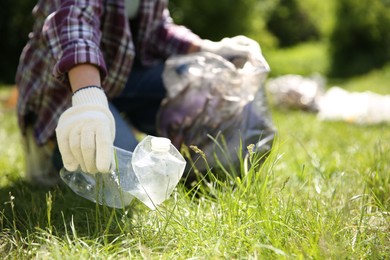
pixel 323 193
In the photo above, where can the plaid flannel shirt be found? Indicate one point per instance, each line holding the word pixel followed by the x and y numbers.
pixel 71 32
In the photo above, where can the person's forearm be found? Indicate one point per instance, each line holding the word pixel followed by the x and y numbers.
pixel 84 75
pixel 195 47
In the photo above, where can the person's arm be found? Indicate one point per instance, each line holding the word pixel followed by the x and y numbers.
pixel 84 75
pixel 168 39
pixel 194 47
pixel 158 36
pixel 86 131
pixel 73 35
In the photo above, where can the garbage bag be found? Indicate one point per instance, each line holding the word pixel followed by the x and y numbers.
pixel 217 107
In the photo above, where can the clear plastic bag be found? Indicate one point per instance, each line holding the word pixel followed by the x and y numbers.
pixel 208 97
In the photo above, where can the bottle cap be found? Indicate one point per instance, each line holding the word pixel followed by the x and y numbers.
pixel 160 144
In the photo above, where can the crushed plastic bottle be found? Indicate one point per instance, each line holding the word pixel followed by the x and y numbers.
pixel 158 167
pixel 150 174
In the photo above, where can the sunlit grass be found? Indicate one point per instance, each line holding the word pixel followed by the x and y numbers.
pixel 323 193
pixel 304 59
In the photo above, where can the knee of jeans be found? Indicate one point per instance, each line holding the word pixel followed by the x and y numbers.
pixel 57 159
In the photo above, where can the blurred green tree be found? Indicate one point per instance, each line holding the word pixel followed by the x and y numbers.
pixel 15 24
pixel 215 20
pixel 361 37
pixel 291 25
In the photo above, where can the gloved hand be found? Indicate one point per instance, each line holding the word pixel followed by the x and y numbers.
pixel 86 132
pixel 238 46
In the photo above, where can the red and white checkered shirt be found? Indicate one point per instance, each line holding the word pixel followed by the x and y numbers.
pixel 70 32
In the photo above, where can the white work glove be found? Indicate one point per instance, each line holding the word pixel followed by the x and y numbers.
pixel 236 47
pixel 86 132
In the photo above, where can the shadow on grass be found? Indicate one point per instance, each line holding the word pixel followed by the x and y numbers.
pixel 26 208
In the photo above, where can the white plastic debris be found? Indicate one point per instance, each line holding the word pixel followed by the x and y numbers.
pixel 355 107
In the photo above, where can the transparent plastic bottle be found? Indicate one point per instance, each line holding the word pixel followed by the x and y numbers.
pixel 158 167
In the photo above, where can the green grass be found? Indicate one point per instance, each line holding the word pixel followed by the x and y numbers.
pixel 323 193
pixel 304 59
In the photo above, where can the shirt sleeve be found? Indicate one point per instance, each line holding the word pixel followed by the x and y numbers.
pixel 173 38
pixel 159 37
pixel 73 36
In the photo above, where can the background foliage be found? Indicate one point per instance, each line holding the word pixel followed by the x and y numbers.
pixel 356 32
pixel 15 24
pixel 360 40
pixel 291 24
pixel 217 19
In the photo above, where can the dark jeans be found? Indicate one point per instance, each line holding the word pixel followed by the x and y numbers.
pixel 138 104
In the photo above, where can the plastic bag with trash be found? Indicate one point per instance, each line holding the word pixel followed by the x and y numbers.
pixel 296 92
pixel 216 106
